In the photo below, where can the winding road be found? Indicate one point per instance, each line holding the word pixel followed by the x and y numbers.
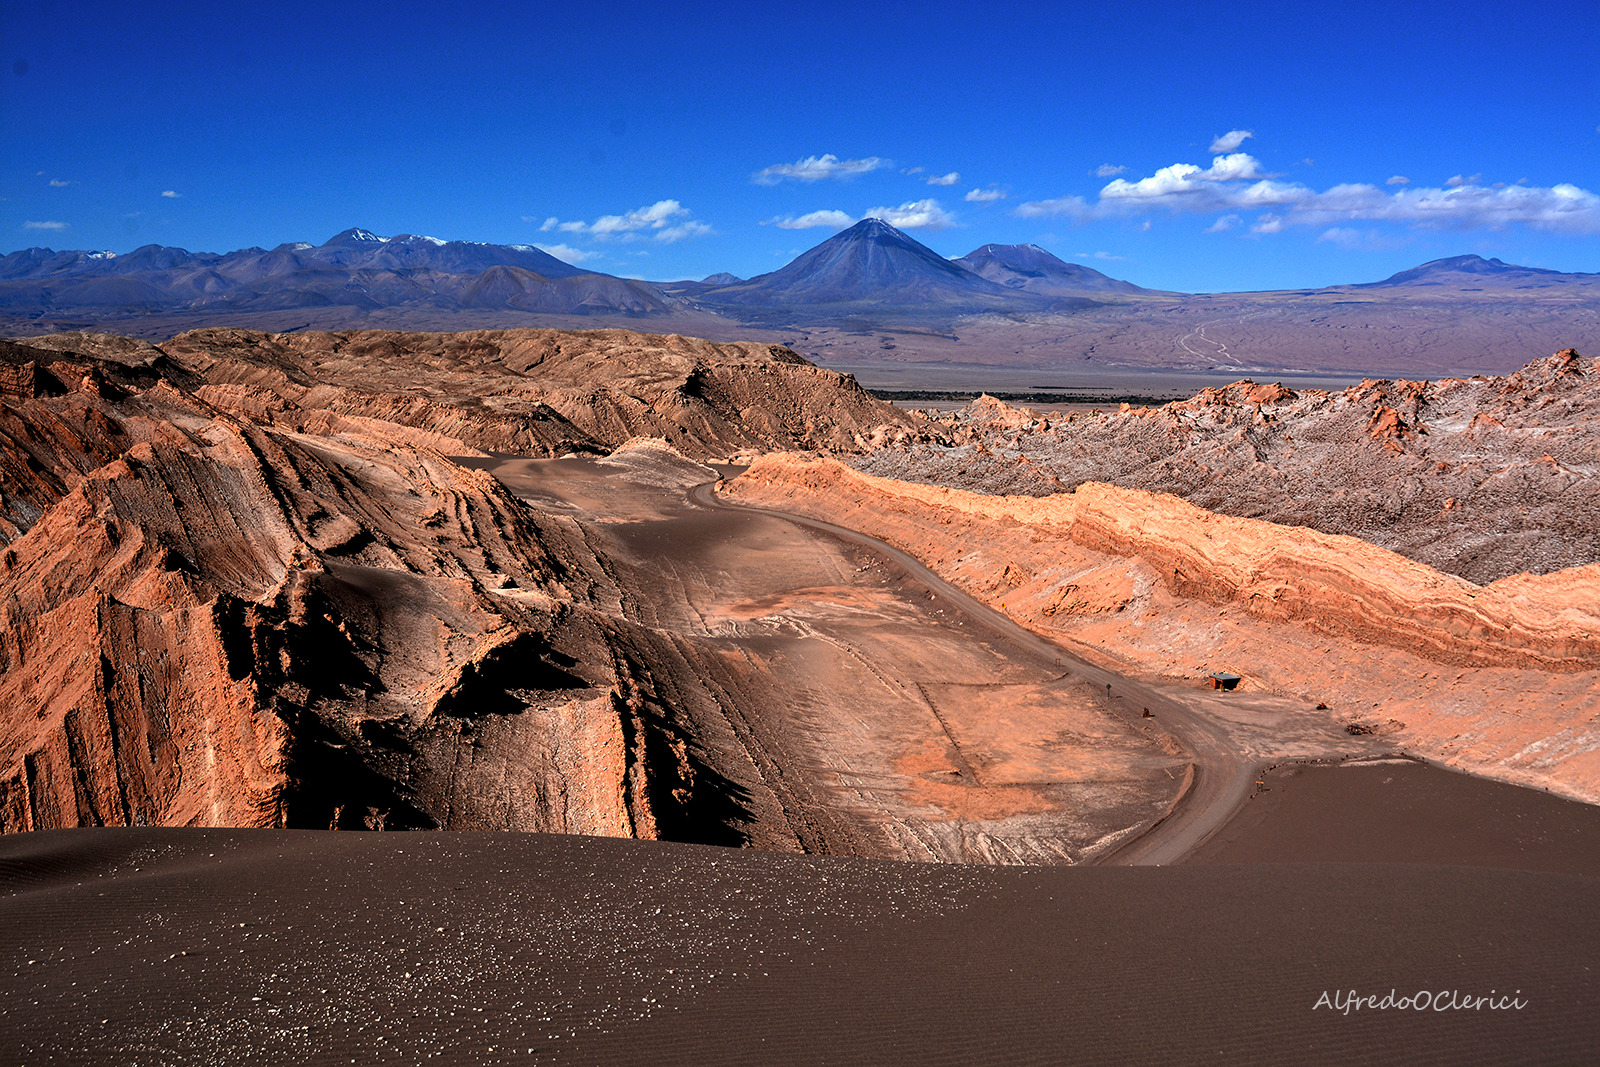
pixel 1222 775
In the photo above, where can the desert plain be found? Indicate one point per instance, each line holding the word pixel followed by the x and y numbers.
pixel 573 587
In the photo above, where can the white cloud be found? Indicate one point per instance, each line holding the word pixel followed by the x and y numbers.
pixel 1188 180
pixel 1398 179
pixel 46 225
pixel 984 196
pixel 914 215
pixel 1226 222
pixel 682 231
pixel 171 195
pixel 1108 170
pixel 1235 183
pixel 1229 142
pixel 816 168
pixel 665 221
pixel 549 223
pixel 58 183
pixel 838 220
pixel 567 253
pixel 952 178
pixel 1072 207
pixel 1106 256
pixel 1354 239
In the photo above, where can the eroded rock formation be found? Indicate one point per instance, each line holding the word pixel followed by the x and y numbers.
pixel 1478 477
pixel 528 392
pixel 1160 587
pixel 231 595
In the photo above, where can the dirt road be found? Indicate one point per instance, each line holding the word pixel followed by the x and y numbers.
pixel 1227 739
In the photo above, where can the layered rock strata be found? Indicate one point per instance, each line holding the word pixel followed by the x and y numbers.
pixel 1158 586
pixel 527 392
pixel 211 616
pixel 1477 477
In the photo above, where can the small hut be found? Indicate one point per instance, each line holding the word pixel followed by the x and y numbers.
pixel 1219 680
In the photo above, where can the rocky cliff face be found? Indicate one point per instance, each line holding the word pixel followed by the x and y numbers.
pixel 231 595
pixel 1503 677
pixel 1479 477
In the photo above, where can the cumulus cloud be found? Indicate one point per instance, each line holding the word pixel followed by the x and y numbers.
pixel 952 178
pixel 567 253
pixel 838 220
pixel 665 221
pixel 984 196
pixel 58 183
pixel 45 225
pixel 1226 222
pixel 1229 142
pixel 1235 183
pixel 1398 179
pixel 171 194
pixel 1186 180
pixel 914 215
pixel 816 168
pixel 1108 170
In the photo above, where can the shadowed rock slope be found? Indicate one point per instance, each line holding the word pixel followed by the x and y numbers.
pixel 232 596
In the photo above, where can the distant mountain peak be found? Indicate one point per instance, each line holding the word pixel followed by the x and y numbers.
pixel 1036 270
pixel 874 263
pixel 1441 271
pixel 354 235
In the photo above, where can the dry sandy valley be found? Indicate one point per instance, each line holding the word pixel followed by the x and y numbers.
pixel 610 584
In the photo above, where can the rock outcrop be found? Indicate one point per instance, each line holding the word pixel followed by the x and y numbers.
pixel 231 595
pixel 530 392
pixel 1478 477
pixel 1161 587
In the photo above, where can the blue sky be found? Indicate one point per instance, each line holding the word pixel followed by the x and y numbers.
pixel 1181 146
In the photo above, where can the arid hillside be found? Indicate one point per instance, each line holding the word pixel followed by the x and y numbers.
pixel 232 595
pixel 523 392
pixel 1478 477
pixel 1500 679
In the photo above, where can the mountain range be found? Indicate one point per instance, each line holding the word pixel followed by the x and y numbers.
pixel 871 293
pixel 870 265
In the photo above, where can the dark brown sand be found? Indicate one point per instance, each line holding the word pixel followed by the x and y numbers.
pixel 214 946
pixel 1402 811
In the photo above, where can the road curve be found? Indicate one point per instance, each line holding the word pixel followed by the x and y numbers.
pixel 1222 775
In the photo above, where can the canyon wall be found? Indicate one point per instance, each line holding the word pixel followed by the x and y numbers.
pixel 1503 677
pixel 208 618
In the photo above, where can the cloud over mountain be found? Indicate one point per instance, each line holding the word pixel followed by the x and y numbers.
pixel 836 219
pixel 1236 183
pixel 665 221
pixel 915 215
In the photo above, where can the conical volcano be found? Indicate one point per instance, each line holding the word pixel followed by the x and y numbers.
pixel 873 264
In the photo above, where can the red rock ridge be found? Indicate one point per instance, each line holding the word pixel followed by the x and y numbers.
pixel 1502 679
